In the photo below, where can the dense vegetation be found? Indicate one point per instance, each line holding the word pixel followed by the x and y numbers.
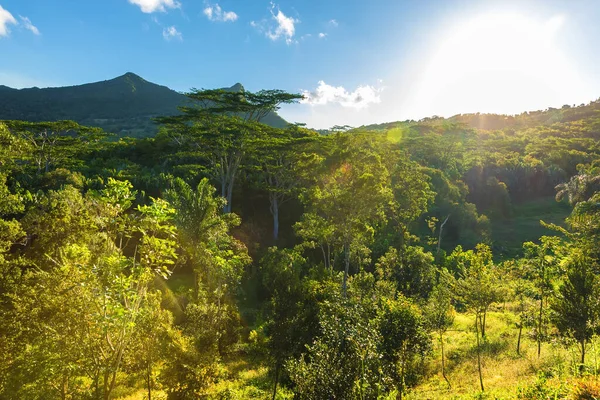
pixel 225 258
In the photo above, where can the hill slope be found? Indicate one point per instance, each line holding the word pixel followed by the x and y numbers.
pixel 124 105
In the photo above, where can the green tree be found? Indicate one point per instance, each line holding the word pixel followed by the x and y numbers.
pixel 576 305
pixel 439 313
pixel 405 340
pixel 224 127
pixel 79 308
pixel 346 205
pixel 343 362
pixel 52 144
pixel 478 283
pixel 292 312
pixel 477 287
pixel 542 268
pixel 579 188
pixel 217 258
pixel 278 163
pixel 411 269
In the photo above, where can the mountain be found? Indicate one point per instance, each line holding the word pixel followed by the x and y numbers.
pixel 124 105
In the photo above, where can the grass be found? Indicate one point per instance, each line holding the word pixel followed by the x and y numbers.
pixel 505 373
pixel 509 234
pixel 246 380
pixel 242 379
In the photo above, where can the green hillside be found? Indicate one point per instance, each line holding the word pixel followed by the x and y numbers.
pixel 124 105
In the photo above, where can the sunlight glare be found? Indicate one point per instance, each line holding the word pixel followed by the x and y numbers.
pixel 501 63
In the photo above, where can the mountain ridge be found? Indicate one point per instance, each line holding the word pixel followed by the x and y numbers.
pixel 124 105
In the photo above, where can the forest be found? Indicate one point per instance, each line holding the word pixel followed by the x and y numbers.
pixel 223 258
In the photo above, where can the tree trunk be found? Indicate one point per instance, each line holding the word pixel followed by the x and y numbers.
pixel 582 354
pixel 440 236
pixel 478 355
pixel 106 393
pixel 444 361
pixel 64 388
pixel 275 212
pixel 229 195
pixel 519 339
pixel 276 381
pixel 324 257
pixel 149 379
pixel 483 324
pixel 539 328
pixel 97 385
pixel 346 268
pixel 402 381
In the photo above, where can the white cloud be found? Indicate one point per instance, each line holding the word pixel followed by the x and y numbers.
pixel 322 35
pixel 150 6
pixel 333 23
pixel 6 18
pixel 216 13
pixel 28 25
pixel 172 33
pixel 361 97
pixel 284 27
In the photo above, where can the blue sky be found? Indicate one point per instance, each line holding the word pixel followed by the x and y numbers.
pixel 357 62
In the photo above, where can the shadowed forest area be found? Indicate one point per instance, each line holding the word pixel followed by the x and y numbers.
pixel 225 258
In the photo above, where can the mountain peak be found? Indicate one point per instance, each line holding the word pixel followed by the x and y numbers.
pixel 130 76
pixel 238 87
pixel 124 105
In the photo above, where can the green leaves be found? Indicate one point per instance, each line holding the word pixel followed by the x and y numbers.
pixel 348 201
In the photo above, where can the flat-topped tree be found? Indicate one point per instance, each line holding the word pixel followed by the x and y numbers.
pixel 54 144
pixel 224 126
pixel 279 164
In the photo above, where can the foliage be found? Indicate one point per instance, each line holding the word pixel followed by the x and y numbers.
pixel 125 272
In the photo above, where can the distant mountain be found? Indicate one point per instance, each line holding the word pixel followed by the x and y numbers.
pixel 124 105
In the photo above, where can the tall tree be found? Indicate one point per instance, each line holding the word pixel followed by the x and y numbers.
pixel 579 188
pixel 478 284
pixel 477 287
pixel 347 202
pixel 405 338
pixel 280 163
pixel 223 126
pixel 53 144
pixel 542 263
pixel 217 258
pixel 576 306
pixel 440 317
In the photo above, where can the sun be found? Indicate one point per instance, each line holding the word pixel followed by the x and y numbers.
pixel 500 63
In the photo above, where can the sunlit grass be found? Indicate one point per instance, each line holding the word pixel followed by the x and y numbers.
pixel 504 371
pixel 246 380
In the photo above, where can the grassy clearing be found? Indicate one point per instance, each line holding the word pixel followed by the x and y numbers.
pixel 242 378
pixel 509 234
pixel 504 372
pixel 246 380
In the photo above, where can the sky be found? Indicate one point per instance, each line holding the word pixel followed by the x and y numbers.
pixel 356 62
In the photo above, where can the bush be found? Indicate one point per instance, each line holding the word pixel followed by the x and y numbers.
pixel 586 389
